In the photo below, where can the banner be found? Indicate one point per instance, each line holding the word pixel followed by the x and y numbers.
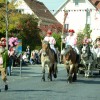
pixel 19 46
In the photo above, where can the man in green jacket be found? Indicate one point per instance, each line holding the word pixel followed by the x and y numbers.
pixel 3 64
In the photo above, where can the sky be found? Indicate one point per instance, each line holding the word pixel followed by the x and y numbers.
pixel 52 4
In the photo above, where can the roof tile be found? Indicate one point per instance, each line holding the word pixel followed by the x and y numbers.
pixel 40 10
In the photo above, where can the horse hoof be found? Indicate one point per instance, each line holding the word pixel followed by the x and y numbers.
pixel 69 82
pixel 43 79
pixel 6 87
pixel 50 79
pixel 55 75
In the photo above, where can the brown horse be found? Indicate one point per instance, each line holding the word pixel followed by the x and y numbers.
pixel 69 60
pixel 48 60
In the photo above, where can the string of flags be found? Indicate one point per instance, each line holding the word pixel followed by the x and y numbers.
pixel 96 29
pixel 73 10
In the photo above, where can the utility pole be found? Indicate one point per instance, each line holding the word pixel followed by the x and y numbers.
pixel 6 18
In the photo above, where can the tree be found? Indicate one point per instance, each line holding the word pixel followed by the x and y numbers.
pixel 57 37
pixel 86 32
pixel 29 31
pixel 13 17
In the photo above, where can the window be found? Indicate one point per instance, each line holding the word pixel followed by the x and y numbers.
pixel 78 1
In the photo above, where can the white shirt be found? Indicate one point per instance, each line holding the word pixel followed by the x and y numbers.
pixel 70 40
pixel 51 41
pixel 97 50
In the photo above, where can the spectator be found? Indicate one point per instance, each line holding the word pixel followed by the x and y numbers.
pixel 28 52
pixel 97 41
pixel 86 42
pixel 32 58
pixel 3 62
pixel 11 53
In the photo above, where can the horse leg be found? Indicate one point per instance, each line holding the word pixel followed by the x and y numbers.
pixel 49 72
pixel 55 70
pixel 68 74
pixel 43 77
pixel 70 78
pixel 88 71
pixel 74 78
pixel 43 71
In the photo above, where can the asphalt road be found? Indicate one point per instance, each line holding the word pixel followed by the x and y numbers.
pixel 28 86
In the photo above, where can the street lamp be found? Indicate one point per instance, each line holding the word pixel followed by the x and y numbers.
pixel 6 18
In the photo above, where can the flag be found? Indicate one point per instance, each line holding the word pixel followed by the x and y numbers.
pixel 65 15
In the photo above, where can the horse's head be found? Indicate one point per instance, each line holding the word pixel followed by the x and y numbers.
pixel 45 47
pixel 66 52
pixel 84 49
pixel 84 52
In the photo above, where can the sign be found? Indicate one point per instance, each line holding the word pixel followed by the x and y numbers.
pixel 19 46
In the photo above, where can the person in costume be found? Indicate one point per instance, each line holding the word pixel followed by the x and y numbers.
pixel 51 41
pixel 97 42
pixel 71 40
pixel 3 61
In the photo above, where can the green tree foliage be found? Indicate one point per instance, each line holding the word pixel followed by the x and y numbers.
pixel 13 17
pixel 57 37
pixel 80 37
pixel 85 33
pixel 29 32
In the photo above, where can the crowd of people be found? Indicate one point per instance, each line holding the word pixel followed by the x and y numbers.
pixel 33 57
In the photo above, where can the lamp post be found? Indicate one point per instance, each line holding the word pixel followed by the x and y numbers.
pixel 6 18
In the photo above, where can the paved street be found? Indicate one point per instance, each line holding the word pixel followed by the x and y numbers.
pixel 29 86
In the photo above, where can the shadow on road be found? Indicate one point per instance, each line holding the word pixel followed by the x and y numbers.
pixel 28 90
pixel 88 81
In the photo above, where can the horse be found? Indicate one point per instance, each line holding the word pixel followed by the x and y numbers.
pixel 70 62
pixel 48 60
pixel 87 59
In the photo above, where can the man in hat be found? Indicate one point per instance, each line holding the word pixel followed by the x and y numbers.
pixel 3 62
pixel 51 41
pixel 98 41
pixel 71 40
pixel 86 42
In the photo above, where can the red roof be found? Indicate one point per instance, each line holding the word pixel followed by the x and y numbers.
pixel 41 11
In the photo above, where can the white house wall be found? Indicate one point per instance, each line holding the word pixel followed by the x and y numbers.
pixel 95 24
pixel 77 16
pixel 22 5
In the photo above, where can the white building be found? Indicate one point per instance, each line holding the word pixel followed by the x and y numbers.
pixel 36 8
pixel 80 13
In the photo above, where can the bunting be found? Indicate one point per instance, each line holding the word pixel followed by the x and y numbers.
pixel 73 10
pixel 69 10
